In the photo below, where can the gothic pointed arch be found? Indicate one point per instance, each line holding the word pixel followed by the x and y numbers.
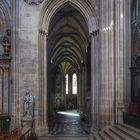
pixel 49 9
pixel 85 8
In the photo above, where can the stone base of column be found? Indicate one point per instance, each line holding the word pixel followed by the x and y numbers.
pixel 93 131
pixel 26 125
pixel 120 109
pixel 42 130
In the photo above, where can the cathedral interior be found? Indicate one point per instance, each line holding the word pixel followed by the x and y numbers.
pixel 69 69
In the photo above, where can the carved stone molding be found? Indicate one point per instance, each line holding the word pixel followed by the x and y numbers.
pixel 43 33
pixel 4 61
pixel 6 45
pixel 94 33
pixel 33 2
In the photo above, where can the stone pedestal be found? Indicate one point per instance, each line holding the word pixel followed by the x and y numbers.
pixel 26 125
pixel 42 130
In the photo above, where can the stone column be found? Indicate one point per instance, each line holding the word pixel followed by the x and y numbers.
pixel 83 89
pixel 64 90
pixel 95 81
pixel 122 55
pixel 105 65
pixel 1 92
pixel 41 105
pixel 15 121
pixel 102 66
pixel 78 91
pixel 113 65
pixel 5 90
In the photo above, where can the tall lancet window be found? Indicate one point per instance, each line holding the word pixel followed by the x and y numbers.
pixel 135 9
pixel 138 8
pixel 67 84
pixel 74 84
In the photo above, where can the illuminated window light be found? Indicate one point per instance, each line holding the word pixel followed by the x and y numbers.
pixel 68 113
pixel 74 84
pixel 67 84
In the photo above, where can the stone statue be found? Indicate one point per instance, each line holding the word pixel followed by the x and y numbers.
pixel 28 106
pixel 33 2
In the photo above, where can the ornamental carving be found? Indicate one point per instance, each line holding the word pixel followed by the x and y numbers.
pixel 33 2
pixel 95 33
pixel 6 44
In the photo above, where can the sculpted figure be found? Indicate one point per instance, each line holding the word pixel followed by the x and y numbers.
pixel 28 105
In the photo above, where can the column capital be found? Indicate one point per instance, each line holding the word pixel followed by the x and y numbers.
pixel 43 32
pixel 94 33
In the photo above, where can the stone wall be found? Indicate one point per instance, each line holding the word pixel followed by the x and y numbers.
pixel 25 65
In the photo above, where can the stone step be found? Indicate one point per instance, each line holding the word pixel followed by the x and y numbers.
pixel 128 132
pixel 97 137
pixel 112 135
pixel 131 128
pixel 120 134
pixel 116 133
pixel 104 136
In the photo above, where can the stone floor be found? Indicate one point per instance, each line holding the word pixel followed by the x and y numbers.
pixel 67 126
pixel 63 138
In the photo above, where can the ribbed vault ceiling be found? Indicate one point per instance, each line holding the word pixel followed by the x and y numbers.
pixel 68 39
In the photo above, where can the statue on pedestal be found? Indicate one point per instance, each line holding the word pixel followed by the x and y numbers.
pixel 28 106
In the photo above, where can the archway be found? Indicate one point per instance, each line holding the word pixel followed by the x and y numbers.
pixel 67 50
pixel 46 16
